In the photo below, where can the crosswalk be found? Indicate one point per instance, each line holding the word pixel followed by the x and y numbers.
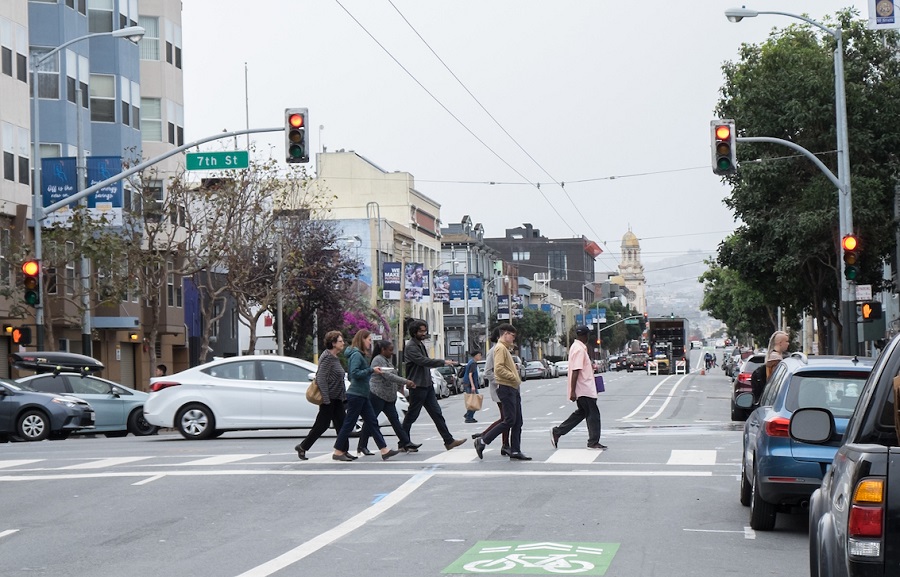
pixel 672 458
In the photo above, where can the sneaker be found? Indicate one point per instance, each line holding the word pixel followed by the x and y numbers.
pixel 479 448
pixel 597 446
pixel 454 443
pixel 554 438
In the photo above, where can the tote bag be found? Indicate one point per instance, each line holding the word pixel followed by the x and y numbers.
pixel 473 401
pixel 598 381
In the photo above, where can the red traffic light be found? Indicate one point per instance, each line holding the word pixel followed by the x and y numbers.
pixel 850 242
pixel 723 132
pixel 295 120
pixel 31 267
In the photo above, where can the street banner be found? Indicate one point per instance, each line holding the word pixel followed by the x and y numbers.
pixel 457 291
pixel 517 307
pixel 106 202
pixel 391 281
pixel 59 180
pixel 440 288
pixel 475 293
pixel 502 307
pixel 417 283
pixel 883 15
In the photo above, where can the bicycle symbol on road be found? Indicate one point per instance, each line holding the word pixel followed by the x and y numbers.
pixel 529 558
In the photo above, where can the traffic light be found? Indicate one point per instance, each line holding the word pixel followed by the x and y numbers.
pixel 21 335
pixel 850 246
pixel 723 153
pixel 296 135
pixel 869 311
pixel 31 271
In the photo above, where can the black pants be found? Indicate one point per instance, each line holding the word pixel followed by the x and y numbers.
pixel 389 409
pixel 423 396
pixel 512 419
pixel 587 410
pixel 333 413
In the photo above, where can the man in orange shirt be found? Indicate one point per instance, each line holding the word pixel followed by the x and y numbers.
pixel 582 391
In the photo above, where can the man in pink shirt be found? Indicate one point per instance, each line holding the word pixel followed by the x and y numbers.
pixel 583 391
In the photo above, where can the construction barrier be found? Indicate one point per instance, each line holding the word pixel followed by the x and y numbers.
pixel 680 367
pixel 652 368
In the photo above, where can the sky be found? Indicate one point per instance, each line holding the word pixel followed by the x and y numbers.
pixel 594 115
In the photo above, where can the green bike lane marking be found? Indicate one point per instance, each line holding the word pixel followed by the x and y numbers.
pixel 535 558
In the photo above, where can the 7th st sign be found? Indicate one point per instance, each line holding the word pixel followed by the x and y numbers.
pixel 218 160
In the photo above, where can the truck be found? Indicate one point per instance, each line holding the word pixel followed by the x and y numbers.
pixel 667 337
pixel 854 515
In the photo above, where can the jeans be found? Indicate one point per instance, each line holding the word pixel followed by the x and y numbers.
pixel 512 419
pixel 356 406
pixel 389 409
pixel 423 396
pixel 333 413
pixel 470 415
pixel 587 410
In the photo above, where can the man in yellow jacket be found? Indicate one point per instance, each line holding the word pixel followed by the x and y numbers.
pixel 507 377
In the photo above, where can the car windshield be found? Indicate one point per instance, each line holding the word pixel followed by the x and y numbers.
pixel 534 365
pixel 837 391
pixel 16 386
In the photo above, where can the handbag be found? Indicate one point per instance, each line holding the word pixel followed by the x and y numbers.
pixel 473 401
pixel 313 393
pixel 598 381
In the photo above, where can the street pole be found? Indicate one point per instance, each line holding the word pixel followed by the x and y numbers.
pixel 466 307
pixel 80 184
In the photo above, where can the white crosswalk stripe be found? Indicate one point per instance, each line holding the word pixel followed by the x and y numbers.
pixel 18 463
pixel 221 460
pixel 679 457
pixel 574 456
pixel 103 463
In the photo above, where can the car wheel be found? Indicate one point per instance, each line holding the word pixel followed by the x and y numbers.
pixel 762 513
pixel 33 426
pixel 737 414
pixel 138 425
pixel 195 422
pixel 746 488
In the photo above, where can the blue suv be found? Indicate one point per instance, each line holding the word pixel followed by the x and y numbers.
pixel 778 473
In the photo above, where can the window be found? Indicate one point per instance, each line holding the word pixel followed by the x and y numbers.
pixel 173 290
pixel 153 197
pixel 150 42
pixel 70 268
pixel 100 16
pixel 6 60
pixel 125 91
pixel 521 255
pixel 24 156
pixel 76 67
pixel 21 51
pixel 556 262
pixel 135 106
pixel 282 371
pixel 151 119
pixel 8 136
pixel 5 266
pixel 237 370
pixel 6 46
pixel 48 74
pixel 103 98
pixel 52 281
pixel 178 47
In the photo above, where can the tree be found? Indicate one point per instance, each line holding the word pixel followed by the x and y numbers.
pixel 787 247
pixel 727 297
pixel 535 326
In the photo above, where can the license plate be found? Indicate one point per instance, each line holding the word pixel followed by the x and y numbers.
pixel 93 417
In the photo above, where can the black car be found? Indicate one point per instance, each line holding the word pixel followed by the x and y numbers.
pixel 28 415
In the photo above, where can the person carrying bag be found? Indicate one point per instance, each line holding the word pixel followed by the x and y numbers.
pixel 471 396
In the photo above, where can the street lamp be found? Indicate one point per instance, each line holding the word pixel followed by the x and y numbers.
pixel 132 33
pixel 845 202
pixel 621 298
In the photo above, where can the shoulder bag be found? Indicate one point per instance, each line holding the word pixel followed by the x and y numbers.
pixel 313 393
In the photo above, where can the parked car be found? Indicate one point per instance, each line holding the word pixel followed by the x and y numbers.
pixel 548 368
pixel 741 384
pixel 441 388
pixel 454 380
pixel 614 362
pixel 779 473
pixel 562 367
pixel 119 410
pixel 535 370
pixel 521 366
pixel 238 393
pixel 30 415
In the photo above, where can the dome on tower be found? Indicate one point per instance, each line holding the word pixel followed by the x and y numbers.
pixel 629 240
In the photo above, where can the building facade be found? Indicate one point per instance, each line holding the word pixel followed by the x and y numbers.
pixel 632 272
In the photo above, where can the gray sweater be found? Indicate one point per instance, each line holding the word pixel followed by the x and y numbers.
pixel 387 384
pixel 330 378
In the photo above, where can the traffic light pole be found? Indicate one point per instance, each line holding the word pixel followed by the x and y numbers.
pixel 845 226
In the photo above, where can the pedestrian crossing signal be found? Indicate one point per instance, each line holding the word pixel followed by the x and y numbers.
pixel 21 335
pixel 869 311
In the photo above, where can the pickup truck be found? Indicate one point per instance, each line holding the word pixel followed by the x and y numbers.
pixel 854 516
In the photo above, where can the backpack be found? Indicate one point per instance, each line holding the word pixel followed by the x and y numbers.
pixel 758 382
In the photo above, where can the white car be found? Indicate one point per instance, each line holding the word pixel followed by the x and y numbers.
pixel 562 367
pixel 237 393
pixel 441 388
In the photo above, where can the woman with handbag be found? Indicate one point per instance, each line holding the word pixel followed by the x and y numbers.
pixel 358 403
pixel 383 396
pixel 330 379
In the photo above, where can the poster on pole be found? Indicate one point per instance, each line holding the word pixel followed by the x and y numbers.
pixel 391 281
pixel 106 203
pixel 882 15
pixel 502 307
pixel 417 283
pixel 59 180
pixel 474 292
pixel 440 288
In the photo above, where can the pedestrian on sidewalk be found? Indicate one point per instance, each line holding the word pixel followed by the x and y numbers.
pixel 508 381
pixel 383 396
pixel 330 380
pixel 583 391
pixel 470 381
pixel 492 389
pixel 421 394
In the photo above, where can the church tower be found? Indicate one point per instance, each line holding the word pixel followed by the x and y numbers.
pixel 632 271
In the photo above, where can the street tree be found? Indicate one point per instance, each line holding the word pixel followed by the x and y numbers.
pixel 787 245
pixel 535 326
pixel 729 298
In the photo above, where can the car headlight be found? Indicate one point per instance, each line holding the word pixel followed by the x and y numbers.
pixel 65 402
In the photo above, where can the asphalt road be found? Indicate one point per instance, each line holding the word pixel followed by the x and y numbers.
pixel 661 501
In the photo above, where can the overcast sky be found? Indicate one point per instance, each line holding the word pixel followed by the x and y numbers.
pixel 611 98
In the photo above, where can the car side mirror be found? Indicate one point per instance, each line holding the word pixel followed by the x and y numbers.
pixel 744 401
pixel 812 425
pixel 114 391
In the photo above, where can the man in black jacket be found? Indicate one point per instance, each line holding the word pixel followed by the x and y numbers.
pixel 418 370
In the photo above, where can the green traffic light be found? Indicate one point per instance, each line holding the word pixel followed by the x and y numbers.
pixel 31 298
pixel 850 272
pixel 723 163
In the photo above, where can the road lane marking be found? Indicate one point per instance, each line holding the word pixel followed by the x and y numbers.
pixel 348 526
pixel 749 533
pixel 103 463
pixel 150 480
pixel 221 460
pixel 574 456
pixel 8 532
pixel 692 457
pixel 455 456
pixel 18 463
pixel 646 400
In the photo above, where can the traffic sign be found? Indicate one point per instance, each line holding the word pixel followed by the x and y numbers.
pixel 631 321
pixel 218 160
pixel 863 292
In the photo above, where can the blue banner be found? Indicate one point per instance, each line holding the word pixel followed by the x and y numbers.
pixel 503 307
pixel 106 202
pixel 59 181
pixel 391 281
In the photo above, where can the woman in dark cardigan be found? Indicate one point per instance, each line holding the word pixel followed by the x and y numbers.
pixel 330 378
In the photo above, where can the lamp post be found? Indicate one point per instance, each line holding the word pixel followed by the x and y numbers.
pixel 620 298
pixel 134 34
pixel 845 198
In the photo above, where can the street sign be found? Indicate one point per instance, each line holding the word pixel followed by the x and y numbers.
pixel 218 160
pixel 631 321
pixel 455 343
pixel 863 292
